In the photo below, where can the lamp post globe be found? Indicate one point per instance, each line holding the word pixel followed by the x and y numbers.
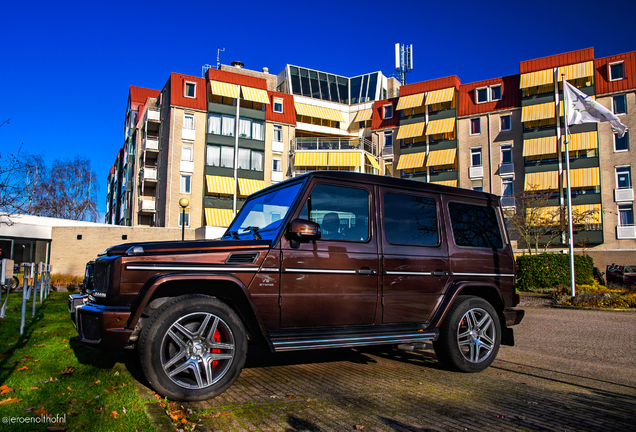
pixel 183 202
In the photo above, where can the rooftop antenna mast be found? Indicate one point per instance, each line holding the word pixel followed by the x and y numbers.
pixel 403 60
pixel 218 56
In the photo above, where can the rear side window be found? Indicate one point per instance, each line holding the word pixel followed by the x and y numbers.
pixel 410 220
pixel 475 226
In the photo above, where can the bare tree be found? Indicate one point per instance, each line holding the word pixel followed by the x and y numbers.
pixel 70 191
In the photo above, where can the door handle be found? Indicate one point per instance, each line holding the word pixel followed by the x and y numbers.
pixel 440 273
pixel 367 272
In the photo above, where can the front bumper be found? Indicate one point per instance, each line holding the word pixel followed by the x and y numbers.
pixel 100 326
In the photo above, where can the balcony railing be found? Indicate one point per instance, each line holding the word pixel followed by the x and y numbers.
pixel 150 174
pixel 507 201
pixel 506 169
pixel 151 143
pixel 153 114
pixel 626 232
pixel 147 205
pixel 330 143
pixel 476 172
pixel 624 195
pixel 387 151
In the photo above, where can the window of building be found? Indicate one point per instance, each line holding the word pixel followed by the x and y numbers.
pixel 190 89
pixel 244 158
pixel 227 157
pixel 186 183
pixel 626 215
pixel 619 104
pixel 186 153
pixel 278 105
pixel 228 126
pixel 616 71
pixel 506 154
pixel 475 156
pixel 185 214
pixel 495 93
pixel 277 164
pixel 505 122
pixel 477 185
pixel 257 161
pixel 482 94
pixel 387 112
pixel 475 226
pixel 250 159
pixel 245 128
pixel 188 121
pixel 388 138
pixel 278 133
pixel 623 177
pixel 507 187
pixel 213 156
pixel 621 144
pixel 410 220
pixel 258 131
pixel 475 126
pixel 214 124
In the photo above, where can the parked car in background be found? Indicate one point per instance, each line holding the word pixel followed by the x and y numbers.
pixel 621 274
pixel 329 259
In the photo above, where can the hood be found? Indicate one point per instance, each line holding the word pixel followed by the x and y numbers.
pixel 183 247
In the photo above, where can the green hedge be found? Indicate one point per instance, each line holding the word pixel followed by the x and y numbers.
pixel 547 270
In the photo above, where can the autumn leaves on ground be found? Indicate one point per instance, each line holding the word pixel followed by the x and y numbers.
pixel 49 381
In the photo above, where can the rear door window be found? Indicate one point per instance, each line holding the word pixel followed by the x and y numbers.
pixel 410 220
pixel 475 225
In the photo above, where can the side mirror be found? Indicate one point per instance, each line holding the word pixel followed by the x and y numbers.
pixel 302 231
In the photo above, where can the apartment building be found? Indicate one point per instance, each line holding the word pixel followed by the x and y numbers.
pixel 498 135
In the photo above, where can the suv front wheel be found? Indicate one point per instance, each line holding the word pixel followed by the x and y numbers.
pixel 192 348
pixel 470 335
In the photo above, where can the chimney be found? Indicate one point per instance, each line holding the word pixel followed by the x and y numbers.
pixel 265 70
pixel 238 64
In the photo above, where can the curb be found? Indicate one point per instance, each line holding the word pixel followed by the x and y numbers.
pixel 593 308
pixel 157 415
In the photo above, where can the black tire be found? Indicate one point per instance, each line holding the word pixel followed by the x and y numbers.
pixel 461 346
pixel 187 335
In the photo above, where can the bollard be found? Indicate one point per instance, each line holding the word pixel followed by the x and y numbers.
pixel 25 294
pixel 35 289
pixel 3 306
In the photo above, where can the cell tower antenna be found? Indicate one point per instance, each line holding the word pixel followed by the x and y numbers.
pixel 403 60
pixel 218 57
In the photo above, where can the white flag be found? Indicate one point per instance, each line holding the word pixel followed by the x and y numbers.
pixel 582 108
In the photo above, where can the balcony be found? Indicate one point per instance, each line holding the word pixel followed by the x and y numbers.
pixel 150 174
pixel 626 232
pixel 624 195
pixel 153 114
pixel 277 176
pixel 151 143
pixel 507 202
pixel 186 166
pixel 147 206
pixel 387 151
pixel 188 134
pixel 506 169
pixel 332 143
pixel 278 147
pixel 476 172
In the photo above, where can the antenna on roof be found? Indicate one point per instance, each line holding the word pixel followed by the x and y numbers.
pixel 218 57
pixel 204 69
pixel 403 60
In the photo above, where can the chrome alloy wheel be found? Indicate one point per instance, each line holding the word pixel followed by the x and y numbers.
pixel 197 350
pixel 476 335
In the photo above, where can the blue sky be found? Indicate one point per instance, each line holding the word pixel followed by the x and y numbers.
pixel 66 66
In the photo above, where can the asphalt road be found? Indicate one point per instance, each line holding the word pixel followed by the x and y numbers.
pixel 571 370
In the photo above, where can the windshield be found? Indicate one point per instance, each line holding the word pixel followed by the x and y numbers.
pixel 261 217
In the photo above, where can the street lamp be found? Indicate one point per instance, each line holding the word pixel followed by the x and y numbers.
pixel 183 202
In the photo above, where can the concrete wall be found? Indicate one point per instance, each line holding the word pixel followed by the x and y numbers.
pixel 70 255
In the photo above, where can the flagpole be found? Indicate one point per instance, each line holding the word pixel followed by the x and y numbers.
pixel 566 140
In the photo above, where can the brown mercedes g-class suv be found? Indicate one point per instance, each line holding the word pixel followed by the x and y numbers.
pixel 328 259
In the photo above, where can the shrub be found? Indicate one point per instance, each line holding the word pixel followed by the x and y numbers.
pixel 549 270
pixel 71 282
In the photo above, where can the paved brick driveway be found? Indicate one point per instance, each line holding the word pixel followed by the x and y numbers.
pixel 571 370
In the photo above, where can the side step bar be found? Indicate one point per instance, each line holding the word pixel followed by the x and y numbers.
pixel 289 344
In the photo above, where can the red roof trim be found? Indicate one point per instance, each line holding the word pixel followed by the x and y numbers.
pixel 572 57
pixel 377 122
pixel 425 86
pixel 601 73
pixel 235 78
pixel 510 96
pixel 288 116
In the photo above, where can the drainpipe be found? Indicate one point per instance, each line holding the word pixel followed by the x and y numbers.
pixel 236 138
pixel 428 169
pixel 489 156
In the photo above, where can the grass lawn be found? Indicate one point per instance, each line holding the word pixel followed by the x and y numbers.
pixel 47 372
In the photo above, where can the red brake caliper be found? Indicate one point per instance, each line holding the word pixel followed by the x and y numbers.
pixel 217 338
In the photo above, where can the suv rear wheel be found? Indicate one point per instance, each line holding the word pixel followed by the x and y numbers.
pixel 192 348
pixel 470 335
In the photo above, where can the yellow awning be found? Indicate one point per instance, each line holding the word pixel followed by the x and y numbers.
pixel 410 101
pixel 220 184
pixel 539 111
pixel 534 79
pixel 584 177
pixel 440 126
pixel 318 112
pixel 411 130
pixel 411 160
pixel 441 157
pixel 583 141
pixel 581 214
pixel 224 89
pixel 344 159
pixel 311 159
pixel 446 183
pixel 540 146
pixel 255 95
pixel 249 186
pixel 363 115
pixel 439 96
pixel 374 163
pixel 218 217
pixel 579 70
pixel 548 215
pixel 586 214
pixel 545 180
